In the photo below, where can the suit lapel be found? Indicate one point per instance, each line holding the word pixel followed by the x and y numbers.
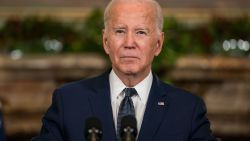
pixel 154 112
pixel 101 106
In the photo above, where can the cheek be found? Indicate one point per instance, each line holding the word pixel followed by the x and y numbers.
pixel 147 48
pixel 113 51
pixel 114 46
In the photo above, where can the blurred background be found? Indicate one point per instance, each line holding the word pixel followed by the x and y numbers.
pixel 44 44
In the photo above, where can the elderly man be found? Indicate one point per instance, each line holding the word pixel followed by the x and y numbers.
pixel 132 37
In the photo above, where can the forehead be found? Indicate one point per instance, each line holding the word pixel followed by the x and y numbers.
pixel 134 13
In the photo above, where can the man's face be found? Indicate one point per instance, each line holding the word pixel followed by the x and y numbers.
pixel 131 38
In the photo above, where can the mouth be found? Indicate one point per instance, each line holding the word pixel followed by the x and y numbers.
pixel 128 57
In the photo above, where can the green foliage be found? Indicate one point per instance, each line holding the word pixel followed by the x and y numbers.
pixel 204 39
pixel 47 35
pixel 231 30
pixel 30 34
pixel 92 32
pixel 181 40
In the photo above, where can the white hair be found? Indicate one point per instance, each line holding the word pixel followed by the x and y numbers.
pixel 158 11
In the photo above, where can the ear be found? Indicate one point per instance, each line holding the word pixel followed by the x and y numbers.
pixel 105 41
pixel 159 44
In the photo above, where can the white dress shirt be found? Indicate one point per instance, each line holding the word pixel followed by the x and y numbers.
pixel 140 100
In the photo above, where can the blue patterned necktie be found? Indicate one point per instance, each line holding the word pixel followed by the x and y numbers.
pixel 126 107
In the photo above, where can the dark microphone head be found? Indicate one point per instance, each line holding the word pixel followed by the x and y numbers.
pixel 93 125
pixel 128 124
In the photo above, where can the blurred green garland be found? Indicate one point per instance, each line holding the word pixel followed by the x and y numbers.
pixel 46 35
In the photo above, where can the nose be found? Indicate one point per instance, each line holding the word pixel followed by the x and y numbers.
pixel 129 41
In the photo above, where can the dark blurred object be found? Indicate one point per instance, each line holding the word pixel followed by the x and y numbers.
pixel 93 129
pixel 2 131
pixel 128 130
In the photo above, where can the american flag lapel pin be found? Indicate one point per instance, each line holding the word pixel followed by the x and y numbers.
pixel 161 103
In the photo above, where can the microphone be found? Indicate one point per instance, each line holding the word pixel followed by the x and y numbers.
pixel 93 129
pixel 128 130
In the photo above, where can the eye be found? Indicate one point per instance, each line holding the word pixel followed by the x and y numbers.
pixel 119 31
pixel 141 32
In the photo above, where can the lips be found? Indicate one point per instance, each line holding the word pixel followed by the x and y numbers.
pixel 128 57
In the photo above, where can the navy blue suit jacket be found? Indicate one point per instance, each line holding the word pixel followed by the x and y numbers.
pixel 171 114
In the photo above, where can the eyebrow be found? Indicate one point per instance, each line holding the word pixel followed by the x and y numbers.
pixel 147 29
pixel 118 28
pixel 138 28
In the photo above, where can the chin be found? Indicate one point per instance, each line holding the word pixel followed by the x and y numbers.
pixel 130 71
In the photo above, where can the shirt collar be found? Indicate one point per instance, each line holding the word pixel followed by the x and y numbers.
pixel 142 88
pixel 116 85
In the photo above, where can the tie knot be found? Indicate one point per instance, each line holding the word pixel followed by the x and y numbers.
pixel 130 92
